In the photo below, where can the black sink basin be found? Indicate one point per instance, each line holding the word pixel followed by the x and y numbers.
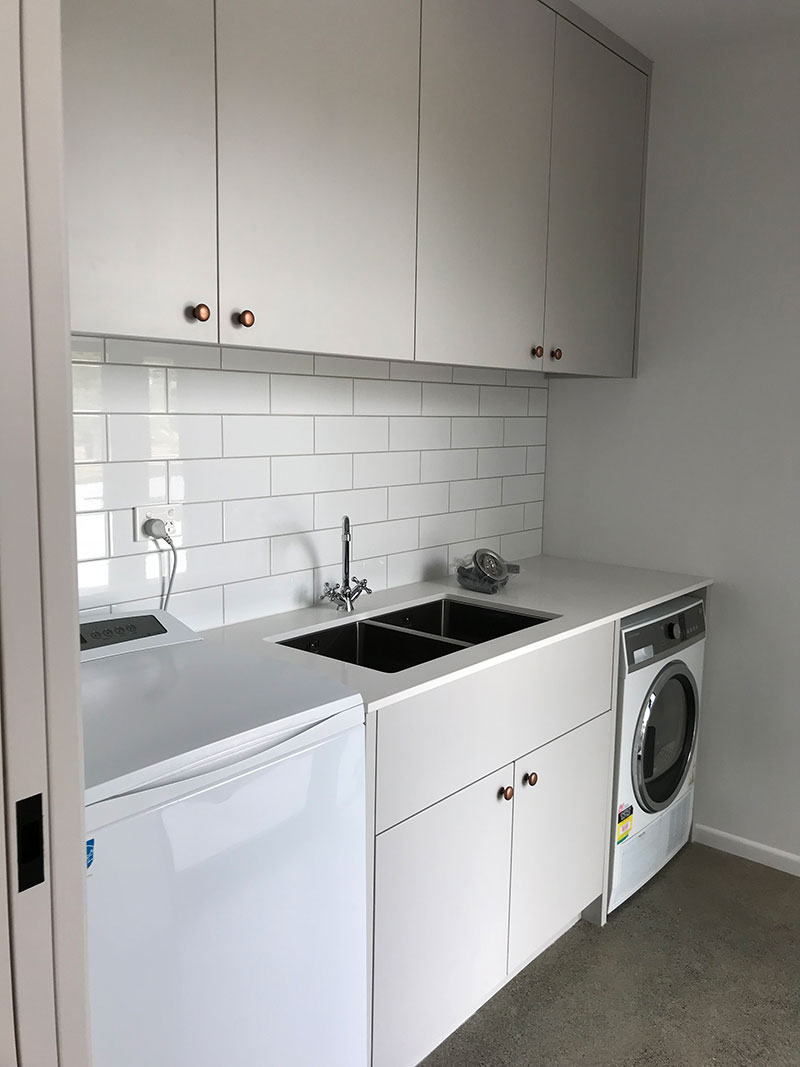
pixel 402 639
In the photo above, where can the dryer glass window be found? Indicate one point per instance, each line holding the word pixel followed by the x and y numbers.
pixel 665 738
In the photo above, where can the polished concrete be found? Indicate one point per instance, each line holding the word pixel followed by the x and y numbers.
pixel 701 967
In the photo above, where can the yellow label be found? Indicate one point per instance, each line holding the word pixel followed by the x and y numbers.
pixel 624 828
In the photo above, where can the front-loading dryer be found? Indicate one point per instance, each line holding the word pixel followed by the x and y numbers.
pixel 661 672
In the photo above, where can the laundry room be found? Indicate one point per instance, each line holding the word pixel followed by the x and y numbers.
pixel 399 496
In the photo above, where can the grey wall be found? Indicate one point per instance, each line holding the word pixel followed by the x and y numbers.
pixel 695 466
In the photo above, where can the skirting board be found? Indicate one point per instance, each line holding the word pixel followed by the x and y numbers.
pixel 749 850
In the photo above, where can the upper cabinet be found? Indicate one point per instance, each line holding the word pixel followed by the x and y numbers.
pixel 318 110
pixel 596 176
pixel 141 167
pixel 485 105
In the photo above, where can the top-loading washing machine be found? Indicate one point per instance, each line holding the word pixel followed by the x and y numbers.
pixel 661 672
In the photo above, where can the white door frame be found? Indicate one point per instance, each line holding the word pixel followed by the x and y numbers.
pixel 38 598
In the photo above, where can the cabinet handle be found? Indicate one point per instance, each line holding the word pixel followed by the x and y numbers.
pixel 530 779
pixel 202 312
pixel 556 354
pixel 538 352
pixel 507 793
pixel 246 318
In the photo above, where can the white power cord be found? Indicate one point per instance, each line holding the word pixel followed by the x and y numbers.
pixel 156 529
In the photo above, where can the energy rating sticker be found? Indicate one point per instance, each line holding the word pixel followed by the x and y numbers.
pixel 624 822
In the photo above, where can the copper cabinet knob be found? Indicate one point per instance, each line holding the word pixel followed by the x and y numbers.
pixel 202 312
pixel 530 779
pixel 538 351
pixel 246 318
pixel 507 793
pixel 556 354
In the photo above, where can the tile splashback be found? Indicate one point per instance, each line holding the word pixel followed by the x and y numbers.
pixel 265 451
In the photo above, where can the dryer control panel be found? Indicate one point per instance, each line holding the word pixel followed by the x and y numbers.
pixel 665 636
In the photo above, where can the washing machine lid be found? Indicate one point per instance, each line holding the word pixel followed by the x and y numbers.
pixel 154 711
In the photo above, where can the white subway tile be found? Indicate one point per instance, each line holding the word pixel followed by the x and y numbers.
pixel 449 464
pixel 268 596
pixel 161 353
pixel 407 501
pixel 90 438
pixel 536 459
pixel 521 545
pixel 311 474
pixel 479 375
pixel 351 433
pixel 201 524
pixel 267 435
pixel 350 367
pixel 537 401
pixel 254 359
pixel 132 437
pixel 523 488
pixel 424 565
pixel 104 388
pixel 199 609
pixel 87 349
pixel 468 433
pixel 420 372
pixel 463 551
pixel 499 520
pixel 305 551
pixel 218 479
pixel 386 398
pixel 91 533
pixel 449 399
pixel 296 394
pixel 446 529
pixel 493 462
pixel 105 486
pixel 534 514
pixel 525 431
pixel 533 378
pixel 381 538
pixel 268 516
pixel 480 493
pixel 362 505
pixel 373 570
pixel 410 433
pixel 217 392
pixel 385 468
pixel 503 400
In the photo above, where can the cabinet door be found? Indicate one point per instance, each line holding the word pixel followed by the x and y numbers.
pixel 141 166
pixel 318 107
pixel 597 163
pixel 485 104
pixel 441 919
pixel 560 832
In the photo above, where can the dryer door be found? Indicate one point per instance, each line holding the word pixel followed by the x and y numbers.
pixel 663 744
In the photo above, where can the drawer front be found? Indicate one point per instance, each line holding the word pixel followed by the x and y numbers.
pixel 435 743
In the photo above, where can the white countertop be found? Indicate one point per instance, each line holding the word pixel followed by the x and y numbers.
pixel 582 595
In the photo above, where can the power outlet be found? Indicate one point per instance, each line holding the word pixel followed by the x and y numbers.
pixel 170 514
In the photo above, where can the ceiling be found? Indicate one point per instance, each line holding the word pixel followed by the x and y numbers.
pixel 659 26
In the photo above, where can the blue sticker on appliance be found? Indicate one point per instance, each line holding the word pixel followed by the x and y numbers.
pixel 89 853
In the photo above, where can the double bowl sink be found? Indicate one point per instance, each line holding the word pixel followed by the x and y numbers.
pixel 397 640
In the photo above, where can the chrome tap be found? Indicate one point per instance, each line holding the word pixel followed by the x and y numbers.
pixel 342 594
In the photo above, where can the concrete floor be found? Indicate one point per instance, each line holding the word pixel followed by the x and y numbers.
pixel 700 967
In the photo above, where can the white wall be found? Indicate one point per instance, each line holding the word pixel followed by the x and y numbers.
pixel 695 466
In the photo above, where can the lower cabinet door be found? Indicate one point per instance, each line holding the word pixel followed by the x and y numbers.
pixel 560 828
pixel 441 918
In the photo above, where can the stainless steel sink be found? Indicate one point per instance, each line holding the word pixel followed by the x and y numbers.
pixel 401 639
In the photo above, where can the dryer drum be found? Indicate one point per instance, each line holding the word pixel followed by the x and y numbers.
pixel 664 740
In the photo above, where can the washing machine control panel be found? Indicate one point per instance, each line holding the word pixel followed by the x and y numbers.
pixel 665 636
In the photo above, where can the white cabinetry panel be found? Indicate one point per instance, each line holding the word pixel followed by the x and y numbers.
pixel 141 166
pixel 599 109
pixel 486 91
pixel 318 108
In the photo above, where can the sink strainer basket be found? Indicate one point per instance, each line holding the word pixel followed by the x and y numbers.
pixel 486 572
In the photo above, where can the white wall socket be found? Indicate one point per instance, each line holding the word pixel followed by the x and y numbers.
pixel 170 514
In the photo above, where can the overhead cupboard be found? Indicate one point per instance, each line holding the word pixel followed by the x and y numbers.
pixel 458 181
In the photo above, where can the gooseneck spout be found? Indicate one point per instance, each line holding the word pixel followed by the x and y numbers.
pixel 343 594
